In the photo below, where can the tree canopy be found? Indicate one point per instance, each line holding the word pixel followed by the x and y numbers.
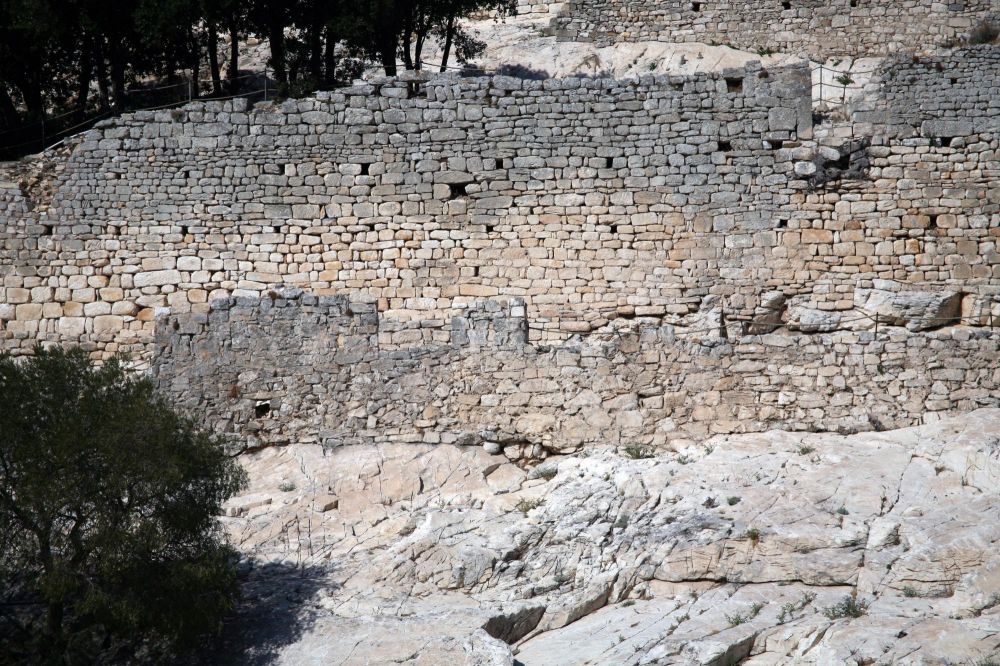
pixel 109 538
pixel 58 56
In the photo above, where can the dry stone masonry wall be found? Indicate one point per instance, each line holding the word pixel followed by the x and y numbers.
pixel 297 367
pixel 419 195
pixel 591 200
pixel 956 94
pixel 536 265
pixel 821 28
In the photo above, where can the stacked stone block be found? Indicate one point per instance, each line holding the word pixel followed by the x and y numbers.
pixel 591 200
pixel 296 367
pixel 953 94
pixel 819 28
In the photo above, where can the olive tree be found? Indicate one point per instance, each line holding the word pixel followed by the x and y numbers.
pixel 109 543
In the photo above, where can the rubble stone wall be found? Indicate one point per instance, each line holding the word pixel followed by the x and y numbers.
pixel 591 200
pixel 294 366
pixel 954 94
pixel 820 28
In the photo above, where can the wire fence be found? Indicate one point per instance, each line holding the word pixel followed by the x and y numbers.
pixel 52 131
pixel 836 87
pixel 831 86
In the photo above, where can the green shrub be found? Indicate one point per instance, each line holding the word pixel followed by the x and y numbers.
pixel 986 32
pixel 848 607
pixel 526 505
pixel 636 452
pixel 109 541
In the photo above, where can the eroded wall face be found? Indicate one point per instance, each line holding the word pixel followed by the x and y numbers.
pixel 589 199
pixel 819 28
pixel 953 94
pixel 296 367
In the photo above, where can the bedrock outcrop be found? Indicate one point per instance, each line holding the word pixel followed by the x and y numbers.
pixel 772 548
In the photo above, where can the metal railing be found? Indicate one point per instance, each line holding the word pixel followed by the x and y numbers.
pixel 52 131
pixel 842 81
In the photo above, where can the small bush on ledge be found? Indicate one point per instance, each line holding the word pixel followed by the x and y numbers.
pixel 848 607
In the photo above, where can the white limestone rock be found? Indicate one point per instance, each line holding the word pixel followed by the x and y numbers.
pixel 738 548
pixel 916 310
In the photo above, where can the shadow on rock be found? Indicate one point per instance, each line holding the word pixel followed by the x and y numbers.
pixel 278 607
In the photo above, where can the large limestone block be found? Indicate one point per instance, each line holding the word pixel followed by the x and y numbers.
pixel 917 310
pixel 156 278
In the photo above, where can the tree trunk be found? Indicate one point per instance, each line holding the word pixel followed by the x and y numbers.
pixel 316 49
pixel 31 93
pixel 194 93
pixel 421 26
pixel 330 57
pixel 407 38
pixel 55 610
pixel 86 73
pixel 276 39
pixel 448 36
pixel 117 76
pixel 213 59
pixel 387 52
pixel 8 112
pixel 418 49
pixel 102 81
pixel 234 55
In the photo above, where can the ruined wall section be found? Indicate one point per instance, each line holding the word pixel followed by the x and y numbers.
pixel 954 94
pixel 820 28
pixel 296 367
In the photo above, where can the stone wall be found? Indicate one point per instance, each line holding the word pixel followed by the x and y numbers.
pixel 820 28
pixel 294 366
pixel 954 94
pixel 591 200
pixel 420 195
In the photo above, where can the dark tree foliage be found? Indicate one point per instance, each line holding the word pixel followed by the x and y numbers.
pixel 80 56
pixel 109 544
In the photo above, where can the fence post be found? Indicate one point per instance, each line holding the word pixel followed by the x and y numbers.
pixel 265 84
pixel 876 324
pixel 43 132
pixel 821 101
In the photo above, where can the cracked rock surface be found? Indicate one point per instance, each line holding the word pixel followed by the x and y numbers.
pixel 771 548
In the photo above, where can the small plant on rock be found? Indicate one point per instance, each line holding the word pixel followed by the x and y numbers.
pixel 754 535
pixel 909 591
pixel 984 33
pixel 526 505
pixel 286 486
pixel 848 607
pixel 637 452
pixel 788 609
pixel 736 619
pixel 732 501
